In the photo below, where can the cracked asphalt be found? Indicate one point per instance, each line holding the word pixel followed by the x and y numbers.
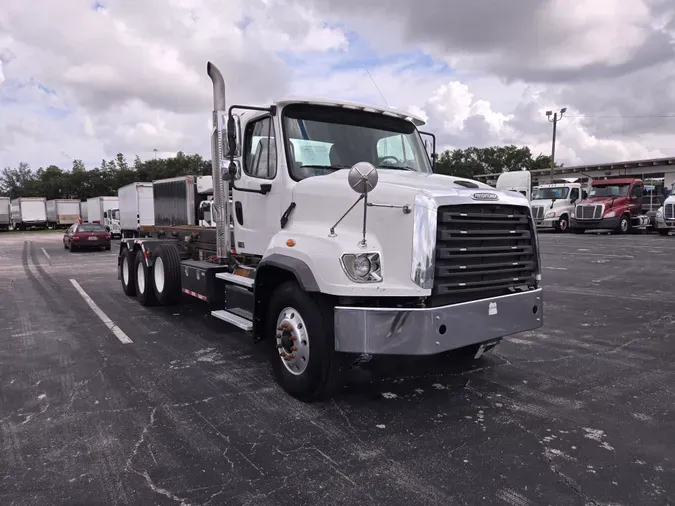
pixel 579 412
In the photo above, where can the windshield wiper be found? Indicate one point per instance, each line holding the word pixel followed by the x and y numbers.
pixel 403 167
pixel 333 167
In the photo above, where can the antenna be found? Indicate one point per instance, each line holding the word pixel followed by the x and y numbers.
pixel 377 88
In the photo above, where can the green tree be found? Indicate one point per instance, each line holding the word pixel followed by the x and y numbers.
pixel 473 161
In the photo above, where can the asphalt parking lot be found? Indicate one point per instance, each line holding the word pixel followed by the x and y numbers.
pixel 579 412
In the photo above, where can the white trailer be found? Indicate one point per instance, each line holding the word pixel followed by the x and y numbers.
pixel 84 211
pixel 137 208
pixel 516 180
pixel 345 243
pixel 5 213
pixel 62 212
pixel 105 210
pixel 29 212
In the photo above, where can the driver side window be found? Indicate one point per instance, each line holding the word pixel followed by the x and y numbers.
pixel 392 148
pixel 574 194
pixel 636 192
pixel 260 149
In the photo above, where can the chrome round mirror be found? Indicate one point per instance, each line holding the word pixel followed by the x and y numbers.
pixel 363 177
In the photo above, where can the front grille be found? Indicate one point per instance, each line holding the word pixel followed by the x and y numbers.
pixel 589 212
pixel 669 212
pixel 483 250
pixel 538 212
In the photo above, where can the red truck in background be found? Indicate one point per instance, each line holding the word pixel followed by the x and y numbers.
pixel 612 204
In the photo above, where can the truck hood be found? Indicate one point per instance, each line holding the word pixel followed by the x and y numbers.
pixel 391 183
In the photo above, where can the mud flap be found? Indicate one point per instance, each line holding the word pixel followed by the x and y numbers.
pixel 485 347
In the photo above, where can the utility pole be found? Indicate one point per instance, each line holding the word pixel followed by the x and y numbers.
pixel 155 150
pixel 555 120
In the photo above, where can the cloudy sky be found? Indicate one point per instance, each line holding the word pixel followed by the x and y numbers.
pixel 87 79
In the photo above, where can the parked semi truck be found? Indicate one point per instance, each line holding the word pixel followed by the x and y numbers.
pixel 62 212
pixel 665 215
pixel 105 210
pixel 137 209
pixel 553 204
pixel 345 244
pixel 29 212
pixel 5 213
pixel 612 204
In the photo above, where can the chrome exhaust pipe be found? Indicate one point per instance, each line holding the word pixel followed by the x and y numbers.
pixel 221 189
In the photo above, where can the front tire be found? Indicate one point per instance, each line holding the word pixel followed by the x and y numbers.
pixel 302 344
pixel 143 274
pixel 624 225
pixel 166 275
pixel 128 277
pixel 563 224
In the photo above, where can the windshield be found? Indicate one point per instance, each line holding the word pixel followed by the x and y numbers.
pixel 115 214
pixel 550 193
pixel 611 190
pixel 90 227
pixel 320 140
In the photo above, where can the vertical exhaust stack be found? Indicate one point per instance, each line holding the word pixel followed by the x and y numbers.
pixel 221 189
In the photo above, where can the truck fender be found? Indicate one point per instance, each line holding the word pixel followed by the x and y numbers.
pixel 270 273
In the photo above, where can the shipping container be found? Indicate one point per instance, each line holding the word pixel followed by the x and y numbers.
pixel 62 212
pixel 137 208
pixel 176 201
pixel 5 213
pixel 29 212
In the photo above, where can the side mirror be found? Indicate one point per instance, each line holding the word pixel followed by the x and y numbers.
pixel 363 177
pixel 233 136
pixel 105 214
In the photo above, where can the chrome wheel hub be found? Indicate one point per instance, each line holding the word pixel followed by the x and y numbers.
pixel 292 341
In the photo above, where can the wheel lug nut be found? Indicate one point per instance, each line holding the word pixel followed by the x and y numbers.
pixel 294 348
pixel 294 338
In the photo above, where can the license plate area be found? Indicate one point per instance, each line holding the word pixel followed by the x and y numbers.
pixel 92 238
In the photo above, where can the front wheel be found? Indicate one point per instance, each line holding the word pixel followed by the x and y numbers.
pixel 563 224
pixel 302 344
pixel 624 225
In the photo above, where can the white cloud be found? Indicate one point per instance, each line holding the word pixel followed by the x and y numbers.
pixel 131 76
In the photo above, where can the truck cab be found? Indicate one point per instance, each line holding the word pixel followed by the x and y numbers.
pixel 111 222
pixel 344 243
pixel 612 204
pixel 665 215
pixel 553 205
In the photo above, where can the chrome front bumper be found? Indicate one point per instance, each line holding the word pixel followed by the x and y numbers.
pixel 547 222
pixel 425 331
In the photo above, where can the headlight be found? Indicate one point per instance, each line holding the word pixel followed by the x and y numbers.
pixel 659 213
pixel 610 214
pixel 572 214
pixel 362 267
pixel 550 214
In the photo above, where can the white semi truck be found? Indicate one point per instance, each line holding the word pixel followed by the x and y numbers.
pixel 665 215
pixel 137 208
pixel 5 213
pixel 553 204
pixel 344 244
pixel 29 212
pixel 62 212
pixel 105 210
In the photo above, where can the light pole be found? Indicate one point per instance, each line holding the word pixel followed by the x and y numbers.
pixel 554 120
pixel 155 150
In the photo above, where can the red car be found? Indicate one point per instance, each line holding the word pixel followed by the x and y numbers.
pixel 86 235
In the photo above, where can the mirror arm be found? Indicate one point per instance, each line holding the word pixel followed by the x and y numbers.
pixel 332 229
pixel 264 189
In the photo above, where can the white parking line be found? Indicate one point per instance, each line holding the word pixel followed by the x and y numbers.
pixel 556 268
pixel 104 318
pixel 49 259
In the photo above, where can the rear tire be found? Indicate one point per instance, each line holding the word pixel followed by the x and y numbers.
pixel 72 248
pixel 310 319
pixel 143 274
pixel 166 275
pixel 128 272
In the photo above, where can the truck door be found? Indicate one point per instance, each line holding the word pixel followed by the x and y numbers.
pixel 635 204
pixel 256 216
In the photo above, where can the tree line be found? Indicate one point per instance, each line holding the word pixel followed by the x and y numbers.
pixel 54 182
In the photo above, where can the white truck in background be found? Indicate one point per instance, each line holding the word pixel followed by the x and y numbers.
pixel 84 211
pixel 5 213
pixel 553 204
pixel 137 208
pixel 62 212
pixel 105 210
pixel 665 215
pixel 29 212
